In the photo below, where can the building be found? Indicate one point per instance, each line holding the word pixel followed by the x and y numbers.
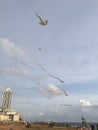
pixel 6 104
pixel 6 113
pixel 9 116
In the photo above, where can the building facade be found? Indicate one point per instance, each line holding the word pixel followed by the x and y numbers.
pixel 9 117
pixel 6 103
pixel 6 113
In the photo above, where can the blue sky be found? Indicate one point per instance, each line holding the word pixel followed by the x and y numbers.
pixel 67 48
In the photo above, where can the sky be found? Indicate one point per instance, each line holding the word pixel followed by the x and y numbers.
pixel 51 69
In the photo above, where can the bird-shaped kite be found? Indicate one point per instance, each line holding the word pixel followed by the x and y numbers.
pixel 42 22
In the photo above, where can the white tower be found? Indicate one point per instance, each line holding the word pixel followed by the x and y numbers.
pixel 7 95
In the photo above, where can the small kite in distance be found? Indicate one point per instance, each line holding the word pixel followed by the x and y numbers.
pixel 37 83
pixel 42 22
pixel 39 49
pixel 55 78
pixel 65 93
pixel 50 75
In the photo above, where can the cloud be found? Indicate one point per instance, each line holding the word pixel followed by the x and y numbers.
pixel 19 56
pixel 40 114
pixel 21 72
pixel 12 50
pixel 85 102
pixel 49 90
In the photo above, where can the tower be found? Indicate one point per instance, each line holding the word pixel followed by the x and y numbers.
pixel 7 95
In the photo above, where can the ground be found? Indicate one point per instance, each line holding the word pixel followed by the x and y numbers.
pixel 21 126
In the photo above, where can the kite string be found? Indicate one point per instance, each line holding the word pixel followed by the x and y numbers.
pixel 42 68
pixel 23 63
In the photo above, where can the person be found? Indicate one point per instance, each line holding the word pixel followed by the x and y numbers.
pixel 50 124
pixel 27 124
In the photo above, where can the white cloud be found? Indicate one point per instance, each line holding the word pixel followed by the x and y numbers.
pixel 40 114
pixel 12 50
pixel 85 102
pixel 21 72
pixel 49 90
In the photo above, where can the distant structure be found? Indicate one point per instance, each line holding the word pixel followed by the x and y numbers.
pixel 6 104
pixel 6 113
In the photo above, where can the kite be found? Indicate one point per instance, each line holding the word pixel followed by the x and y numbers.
pixel 65 93
pixel 50 74
pixel 37 83
pixel 42 22
pixel 42 68
pixel 40 49
pixel 56 78
pixel 60 105
pixel 23 63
